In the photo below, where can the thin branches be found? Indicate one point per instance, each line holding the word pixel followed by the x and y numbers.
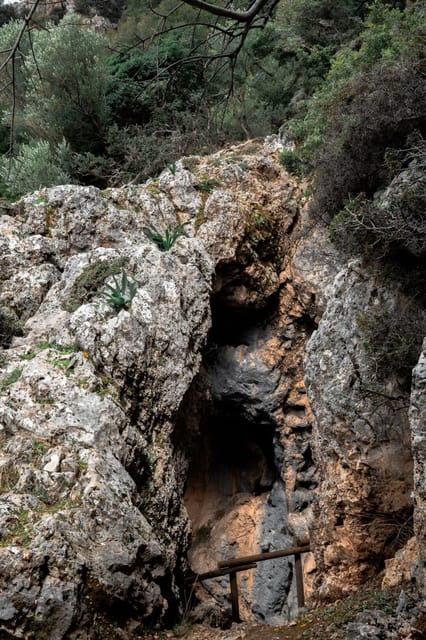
pixel 25 27
pixel 239 16
pixel 11 57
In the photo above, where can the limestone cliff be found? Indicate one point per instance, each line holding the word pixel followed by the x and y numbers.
pixel 147 438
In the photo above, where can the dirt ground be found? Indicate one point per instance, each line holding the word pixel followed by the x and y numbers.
pixel 328 622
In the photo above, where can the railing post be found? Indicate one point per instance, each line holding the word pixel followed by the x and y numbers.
pixel 299 580
pixel 234 596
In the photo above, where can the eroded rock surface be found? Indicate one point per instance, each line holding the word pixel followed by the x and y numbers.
pixel 92 522
pixel 418 432
pixel 150 437
pixel 361 438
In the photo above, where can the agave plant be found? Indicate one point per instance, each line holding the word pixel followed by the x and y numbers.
pixel 166 241
pixel 121 293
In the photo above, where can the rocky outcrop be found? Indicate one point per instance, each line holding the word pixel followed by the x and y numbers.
pixel 92 519
pixel 154 416
pixel 95 421
pixel 361 437
pixel 418 433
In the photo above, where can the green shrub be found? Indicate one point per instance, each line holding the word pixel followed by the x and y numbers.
pixel 66 97
pixel 382 107
pixel 392 340
pixel 396 218
pixel 290 160
pixel 371 100
pixel 137 152
pixel 12 377
pixel 36 165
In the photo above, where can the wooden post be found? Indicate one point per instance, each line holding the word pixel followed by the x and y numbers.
pixel 299 580
pixel 234 597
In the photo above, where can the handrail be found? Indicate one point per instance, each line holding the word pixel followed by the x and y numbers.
pixel 223 572
pixel 259 557
pixel 232 566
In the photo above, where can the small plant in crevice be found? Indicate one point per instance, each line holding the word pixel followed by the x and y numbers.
pixel 90 280
pixel 207 184
pixel 292 162
pixel 172 168
pixel 121 293
pixel 9 477
pixel 165 242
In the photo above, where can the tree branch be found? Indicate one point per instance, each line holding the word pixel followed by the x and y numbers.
pixel 239 16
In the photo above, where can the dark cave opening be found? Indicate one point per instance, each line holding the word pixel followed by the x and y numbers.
pixel 232 456
pixel 231 323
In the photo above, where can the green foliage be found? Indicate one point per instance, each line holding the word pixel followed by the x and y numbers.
pixel 121 293
pixel 207 184
pixel 136 152
pixel 133 95
pixel 320 22
pixel 90 280
pixel 165 242
pixel 396 218
pixel 68 100
pixel 57 347
pixel 372 97
pixel 290 160
pixel 12 377
pixel 382 109
pixel 8 35
pixel 39 164
pixel 127 114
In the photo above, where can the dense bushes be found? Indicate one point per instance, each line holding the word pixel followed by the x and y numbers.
pixel 364 136
pixel 395 220
pixel 349 76
pixel 379 110
pixel 392 340
pixel 59 108
pixel 36 165
pixel 67 100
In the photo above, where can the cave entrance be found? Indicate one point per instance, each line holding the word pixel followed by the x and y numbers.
pixel 235 494
pixel 232 457
pixel 233 487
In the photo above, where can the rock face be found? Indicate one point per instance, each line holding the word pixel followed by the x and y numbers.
pixel 418 432
pixel 95 399
pixel 361 437
pixel 87 402
pixel 154 417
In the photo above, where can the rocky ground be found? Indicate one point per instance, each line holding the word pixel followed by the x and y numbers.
pixel 370 614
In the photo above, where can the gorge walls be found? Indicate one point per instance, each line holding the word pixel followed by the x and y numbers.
pixel 145 440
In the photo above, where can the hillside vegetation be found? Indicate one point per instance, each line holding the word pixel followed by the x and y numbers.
pixel 343 81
